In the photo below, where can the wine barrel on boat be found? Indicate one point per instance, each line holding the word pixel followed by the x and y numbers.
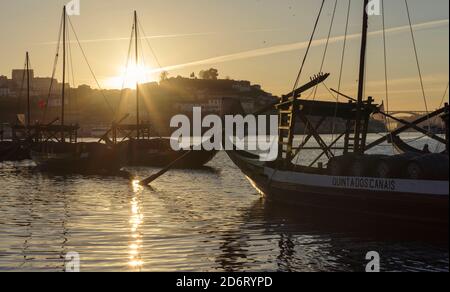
pixel 362 166
pixel 429 167
pixel 341 165
pixel 354 165
pixel 393 166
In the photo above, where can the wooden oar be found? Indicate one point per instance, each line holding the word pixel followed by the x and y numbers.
pixel 152 178
pixel 296 93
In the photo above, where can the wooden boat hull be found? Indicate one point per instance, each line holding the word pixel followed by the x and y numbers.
pixel 11 151
pixel 407 200
pixel 92 158
pixel 403 147
pixel 158 153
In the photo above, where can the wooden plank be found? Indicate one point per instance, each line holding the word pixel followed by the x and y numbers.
pixel 317 137
pixel 415 127
pixel 406 127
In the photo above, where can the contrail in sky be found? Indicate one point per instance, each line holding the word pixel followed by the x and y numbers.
pixel 297 46
pixel 168 36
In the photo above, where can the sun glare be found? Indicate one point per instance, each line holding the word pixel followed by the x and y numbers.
pixel 128 77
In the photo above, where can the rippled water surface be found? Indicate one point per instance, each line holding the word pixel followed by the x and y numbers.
pixel 205 220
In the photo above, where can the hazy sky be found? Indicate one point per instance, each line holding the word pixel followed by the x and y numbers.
pixel 258 40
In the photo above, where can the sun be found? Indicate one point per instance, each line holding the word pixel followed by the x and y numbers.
pixel 129 77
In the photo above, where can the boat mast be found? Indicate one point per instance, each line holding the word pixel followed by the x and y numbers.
pixel 137 79
pixel 28 91
pixel 358 148
pixel 63 75
pixel 445 119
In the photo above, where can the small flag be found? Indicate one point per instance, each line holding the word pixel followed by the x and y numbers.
pixel 42 104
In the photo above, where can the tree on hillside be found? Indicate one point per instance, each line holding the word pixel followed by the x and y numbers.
pixel 211 74
pixel 164 76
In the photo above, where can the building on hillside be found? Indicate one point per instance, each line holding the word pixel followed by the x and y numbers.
pixel 242 87
pixel 209 93
pixel 211 106
pixel 3 81
pixel 4 91
pixel 19 77
pixel 41 86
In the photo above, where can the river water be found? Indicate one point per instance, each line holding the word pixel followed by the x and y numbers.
pixel 206 220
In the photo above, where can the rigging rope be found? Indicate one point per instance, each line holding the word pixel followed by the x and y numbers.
pixel 443 97
pixel 314 91
pixel 341 70
pixel 72 94
pixel 127 66
pixel 386 77
pixel 19 100
pixel 344 46
pixel 142 55
pixel 330 92
pixel 417 58
pixel 385 57
pixel 326 45
pixel 55 65
pixel 154 56
pixel 70 72
pixel 31 84
pixel 440 106
pixel 150 47
pixel 302 66
pixel 90 68
pixel 297 81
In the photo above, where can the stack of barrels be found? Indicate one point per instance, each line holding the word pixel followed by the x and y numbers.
pixel 404 166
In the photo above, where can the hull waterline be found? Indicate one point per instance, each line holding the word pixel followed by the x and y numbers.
pixel 88 158
pixel 384 198
pixel 158 153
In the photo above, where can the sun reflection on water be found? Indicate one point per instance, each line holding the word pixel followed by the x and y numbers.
pixel 136 220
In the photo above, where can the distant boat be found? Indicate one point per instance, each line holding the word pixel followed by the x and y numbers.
pixel 157 152
pixel 402 147
pixel 435 129
pixel 58 150
pixel 411 187
pixel 21 133
pixel 99 132
pixel 140 146
pixel 88 158
pixel 12 151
